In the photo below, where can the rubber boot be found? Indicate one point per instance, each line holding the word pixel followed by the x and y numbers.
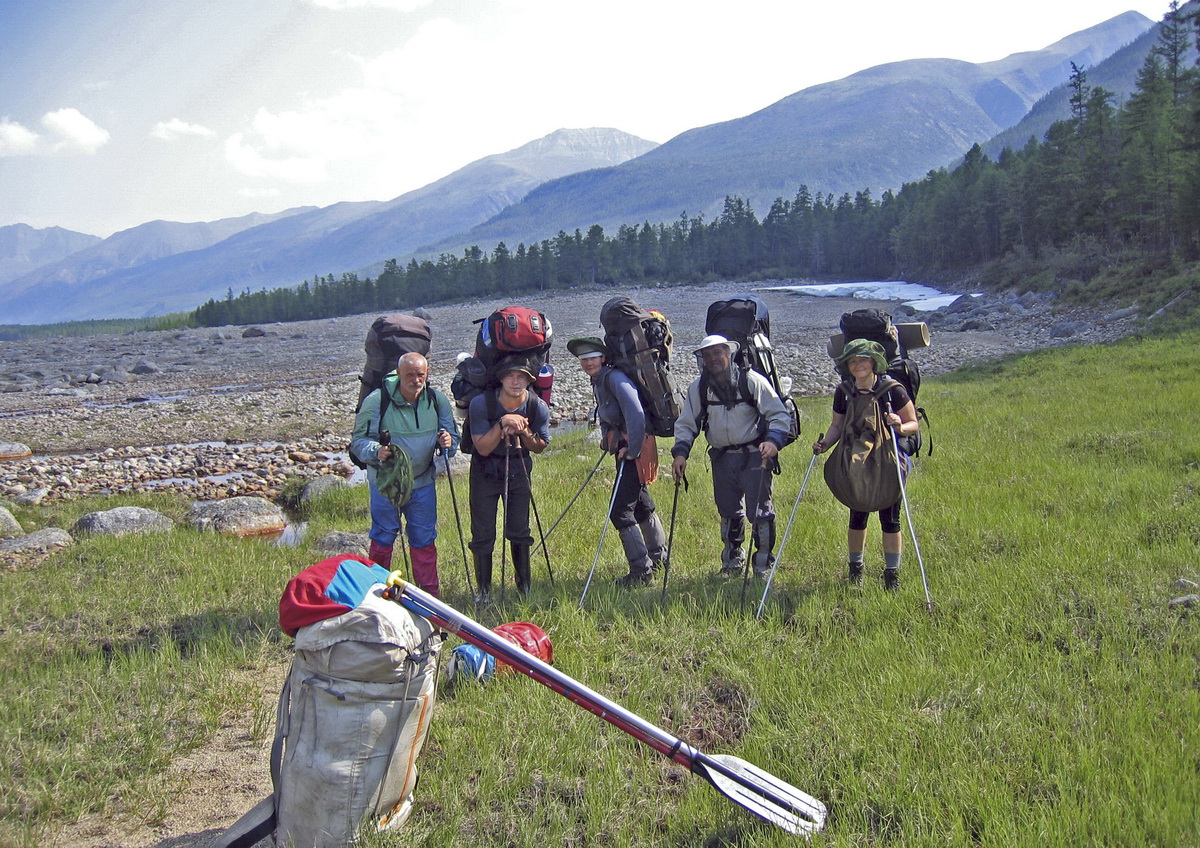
pixel 764 542
pixel 483 577
pixel 520 558
pixel 637 556
pixel 655 539
pixel 733 534
pixel 381 554
pixel 424 568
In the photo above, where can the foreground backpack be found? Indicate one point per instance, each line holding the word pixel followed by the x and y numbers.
pixel 353 713
pixel 746 320
pixel 513 333
pixel 388 338
pixel 639 343
pixel 861 470
pixel 897 340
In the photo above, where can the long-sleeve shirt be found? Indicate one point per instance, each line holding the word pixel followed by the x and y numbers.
pixel 413 427
pixel 619 409
pixel 739 424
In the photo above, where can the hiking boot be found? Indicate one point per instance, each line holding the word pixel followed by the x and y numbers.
pixel 891 579
pixel 634 580
pixel 482 599
pixel 854 573
pixel 762 573
pixel 733 567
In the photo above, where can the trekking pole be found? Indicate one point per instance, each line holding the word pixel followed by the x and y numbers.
pixel 462 541
pixel 908 514
pixel 571 503
pixel 504 520
pixel 764 472
pixel 786 532
pixel 743 783
pixel 607 520
pixel 671 536
pixel 538 519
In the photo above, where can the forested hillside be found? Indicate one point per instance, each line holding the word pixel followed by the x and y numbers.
pixel 1107 204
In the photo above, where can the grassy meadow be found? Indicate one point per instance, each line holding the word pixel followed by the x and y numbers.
pixel 1051 697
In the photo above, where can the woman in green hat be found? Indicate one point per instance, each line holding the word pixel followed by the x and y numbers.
pixel 866 365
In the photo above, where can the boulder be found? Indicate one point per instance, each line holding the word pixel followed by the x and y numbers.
pixel 320 485
pixel 9 526
pixel 39 541
pixel 14 450
pixel 33 497
pixel 238 516
pixel 341 542
pixel 123 521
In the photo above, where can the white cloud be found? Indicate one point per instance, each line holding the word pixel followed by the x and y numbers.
pixel 398 5
pixel 255 193
pixel 16 140
pixel 252 161
pixel 176 128
pixel 77 132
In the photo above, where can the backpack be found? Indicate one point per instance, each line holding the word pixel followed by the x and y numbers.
pixel 466 444
pixel 388 338
pixel 353 713
pixel 896 340
pixel 638 343
pixel 746 320
pixel 861 470
pixel 513 333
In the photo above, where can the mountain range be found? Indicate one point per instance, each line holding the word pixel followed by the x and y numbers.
pixel 875 129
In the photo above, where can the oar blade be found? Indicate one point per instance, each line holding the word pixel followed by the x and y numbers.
pixel 763 794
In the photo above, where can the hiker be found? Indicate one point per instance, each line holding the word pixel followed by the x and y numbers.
pixel 744 436
pixel 623 433
pixel 866 362
pixel 418 419
pixel 507 425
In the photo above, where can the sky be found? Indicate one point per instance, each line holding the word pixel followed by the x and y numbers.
pixel 118 112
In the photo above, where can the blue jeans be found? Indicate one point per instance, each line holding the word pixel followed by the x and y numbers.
pixel 420 517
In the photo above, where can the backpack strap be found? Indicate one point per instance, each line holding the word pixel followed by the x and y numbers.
pixel 744 395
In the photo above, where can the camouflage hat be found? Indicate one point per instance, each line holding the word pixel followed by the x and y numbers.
pixel 866 349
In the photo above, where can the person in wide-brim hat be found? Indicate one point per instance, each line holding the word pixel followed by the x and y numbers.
pixel 866 349
pixel 586 347
pixel 716 339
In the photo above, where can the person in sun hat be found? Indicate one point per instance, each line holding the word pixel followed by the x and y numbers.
pixel 744 438
pixel 623 433
pixel 418 420
pixel 866 364
pixel 507 425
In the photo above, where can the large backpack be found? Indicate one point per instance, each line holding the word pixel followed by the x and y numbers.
pixel 512 333
pixel 638 342
pixel 388 338
pixel 861 470
pixel 896 340
pixel 353 713
pixel 746 320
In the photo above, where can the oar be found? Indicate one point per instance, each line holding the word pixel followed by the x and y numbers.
pixel 748 786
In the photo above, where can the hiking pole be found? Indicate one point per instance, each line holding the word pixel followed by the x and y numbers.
pixel 786 532
pixel 908 514
pixel 743 783
pixel 537 518
pixel 764 471
pixel 462 541
pixel 607 520
pixel 504 519
pixel 671 536
pixel 571 503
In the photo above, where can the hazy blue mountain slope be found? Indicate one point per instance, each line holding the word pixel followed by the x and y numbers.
pixel 24 248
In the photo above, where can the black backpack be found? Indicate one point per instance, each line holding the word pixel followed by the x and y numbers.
pixel 746 320
pixel 638 343
pixel 877 326
pixel 388 338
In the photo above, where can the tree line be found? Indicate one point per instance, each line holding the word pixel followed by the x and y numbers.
pixel 1114 183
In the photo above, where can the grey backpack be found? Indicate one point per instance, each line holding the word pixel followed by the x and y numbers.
pixel 861 470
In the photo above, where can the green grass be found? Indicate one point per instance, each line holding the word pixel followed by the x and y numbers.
pixel 1051 698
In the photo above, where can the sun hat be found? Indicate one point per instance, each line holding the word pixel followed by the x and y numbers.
pixel 867 349
pixel 586 347
pixel 516 365
pixel 714 340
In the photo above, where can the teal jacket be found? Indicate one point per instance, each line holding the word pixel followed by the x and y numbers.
pixel 414 428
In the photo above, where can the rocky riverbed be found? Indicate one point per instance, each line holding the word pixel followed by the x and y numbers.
pixel 239 410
